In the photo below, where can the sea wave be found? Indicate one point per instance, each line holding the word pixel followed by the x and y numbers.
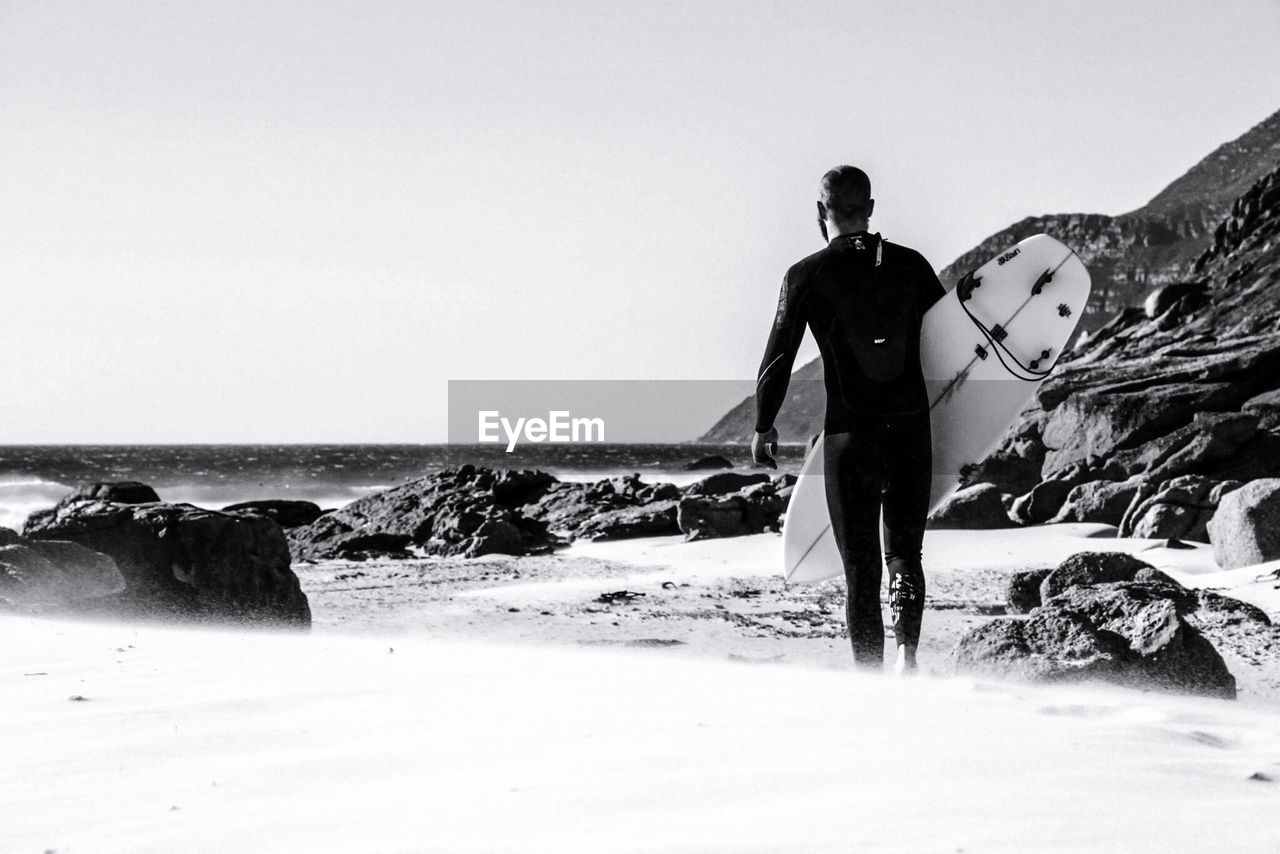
pixel 20 496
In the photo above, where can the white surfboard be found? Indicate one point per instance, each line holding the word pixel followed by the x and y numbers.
pixel 983 358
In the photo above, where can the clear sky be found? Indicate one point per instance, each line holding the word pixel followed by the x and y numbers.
pixel 296 221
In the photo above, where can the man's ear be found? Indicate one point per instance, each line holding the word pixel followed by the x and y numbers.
pixel 871 206
pixel 822 211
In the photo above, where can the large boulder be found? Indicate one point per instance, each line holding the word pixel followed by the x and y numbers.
pixel 1092 423
pixel 1101 501
pixel 1131 633
pixel 181 560
pixel 714 461
pixel 977 507
pixel 53 575
pixel 1245 528
pixel 286 513
pixel 1045 500
pixel 1178 508
pixel 1086 568
pixel 117 492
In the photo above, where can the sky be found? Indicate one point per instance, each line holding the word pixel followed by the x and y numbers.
pixel 298 221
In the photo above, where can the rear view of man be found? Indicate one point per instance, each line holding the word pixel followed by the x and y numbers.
pixel 863 299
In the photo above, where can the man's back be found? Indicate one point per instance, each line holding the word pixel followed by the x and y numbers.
pixel 863 299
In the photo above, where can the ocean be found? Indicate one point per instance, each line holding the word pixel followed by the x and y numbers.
pixel 33 477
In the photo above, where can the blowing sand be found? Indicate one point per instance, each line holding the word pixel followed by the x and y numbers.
pixel 450 722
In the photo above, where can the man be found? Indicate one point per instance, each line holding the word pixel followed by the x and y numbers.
pixel 863 298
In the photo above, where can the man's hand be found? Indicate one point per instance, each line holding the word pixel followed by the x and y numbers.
pixel 764 446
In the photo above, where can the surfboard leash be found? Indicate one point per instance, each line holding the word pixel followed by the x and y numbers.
pixel 995 335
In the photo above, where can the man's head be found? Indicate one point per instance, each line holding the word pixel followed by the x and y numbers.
pixel 845 202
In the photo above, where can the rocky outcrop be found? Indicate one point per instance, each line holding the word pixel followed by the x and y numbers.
pixel 1174 407
pixel 978 507
pixel 53 576
pixel 285 513
pixel 178 560
pixel 1136 632
pixel 1245 528
pixel 466 511
pixel 473 511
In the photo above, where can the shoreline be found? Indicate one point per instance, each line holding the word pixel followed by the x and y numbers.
pixel 723 599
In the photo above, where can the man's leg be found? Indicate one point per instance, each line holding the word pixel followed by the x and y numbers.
pixel 906 508
pixel 853 487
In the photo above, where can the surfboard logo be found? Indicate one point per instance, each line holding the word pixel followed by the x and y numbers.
pixel 1008 256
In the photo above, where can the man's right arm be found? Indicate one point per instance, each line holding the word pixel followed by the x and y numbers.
pixel 779 354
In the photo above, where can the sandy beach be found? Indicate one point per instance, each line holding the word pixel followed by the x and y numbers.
pixel 649 695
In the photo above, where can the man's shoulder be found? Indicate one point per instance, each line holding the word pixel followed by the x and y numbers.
pixel 904 254
pixel 805 266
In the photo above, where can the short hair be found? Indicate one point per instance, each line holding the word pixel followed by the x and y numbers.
pixel 846 192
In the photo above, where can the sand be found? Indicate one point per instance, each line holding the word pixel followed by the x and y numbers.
pixel 714 712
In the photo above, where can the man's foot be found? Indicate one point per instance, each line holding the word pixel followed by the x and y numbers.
pixel 906 663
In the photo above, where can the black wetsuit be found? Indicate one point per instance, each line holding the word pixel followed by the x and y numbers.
pixel 863 299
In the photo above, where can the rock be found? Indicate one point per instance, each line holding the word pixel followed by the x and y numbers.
pixel 1044 501
pixel 753 510
pixel 1093 423
pixel 1265 407
pixel 9 536
pixel 658 492
pixel 180 560
pixel 724 483
pixel 702 518
pixel 714 461
pixel 1219 612
pixel 1100 501
pixel 1128 633
pixel 977 507
pixel 1009 472
pixel 766 505
pixel 1047 647
pixel 1086 568
pixel 495 537
pixel 286 513
pixel 118 492
pixel 1184 296
pixel 54 575
pixel 653 519
pixel 1245 528
pixel 449 513
pixel 786 480
pixel 1179 508
pixel 611 509
pixel 1023 590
